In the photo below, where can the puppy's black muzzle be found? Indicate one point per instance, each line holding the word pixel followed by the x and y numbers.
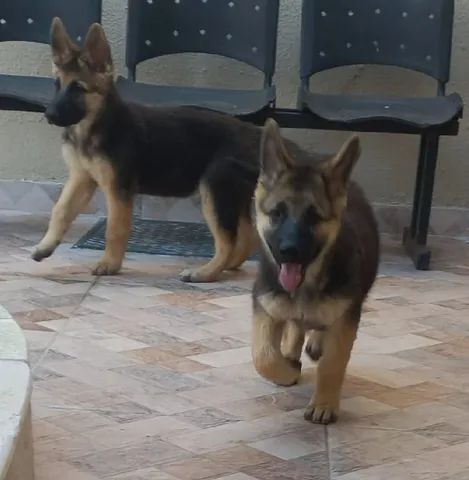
pixel 292 243
pixel 68 107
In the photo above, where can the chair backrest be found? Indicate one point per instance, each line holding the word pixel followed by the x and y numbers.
pixel 30 20
pixel 245 30
pixel 415 34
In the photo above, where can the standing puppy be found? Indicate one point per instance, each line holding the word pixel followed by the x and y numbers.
pixel 320 250
pixel 126 148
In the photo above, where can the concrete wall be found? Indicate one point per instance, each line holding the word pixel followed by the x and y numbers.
pixel 30 147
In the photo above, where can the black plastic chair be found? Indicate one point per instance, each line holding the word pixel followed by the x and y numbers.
pixel 414 34
pixel 245 30
pixel 30 21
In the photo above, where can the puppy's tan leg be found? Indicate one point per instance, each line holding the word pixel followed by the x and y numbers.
pixel 337 346
pixel 119 222
pixel 75 195
pixel 224 246
pixel 292 341
pixel 267 357
pixel 246 242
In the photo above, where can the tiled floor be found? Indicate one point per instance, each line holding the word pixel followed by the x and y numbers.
pixel 140 377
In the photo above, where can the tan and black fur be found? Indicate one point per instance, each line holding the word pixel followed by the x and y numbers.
pixel 125 149
pixel 311 216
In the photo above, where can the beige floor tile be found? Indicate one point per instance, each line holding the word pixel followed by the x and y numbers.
pixel 362 406
pixel 225 358
pixel 369 344
pixel 388 378
pixel 287 447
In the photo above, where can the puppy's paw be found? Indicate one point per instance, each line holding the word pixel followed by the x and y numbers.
pixel 40 254
pixel 289 375
pixel 296 364
pixel 105 267
pixel 281 371
pixel 323 414
pixel 196 276
pixel 314 346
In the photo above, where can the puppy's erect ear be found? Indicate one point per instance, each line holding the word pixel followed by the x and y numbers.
pixel 63 49
pixel 274 156
pixel 338 169
pixel 96 51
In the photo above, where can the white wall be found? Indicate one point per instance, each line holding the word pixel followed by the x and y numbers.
pixel 30 147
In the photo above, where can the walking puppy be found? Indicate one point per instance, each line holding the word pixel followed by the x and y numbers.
pixel 126 149
pixel 320 250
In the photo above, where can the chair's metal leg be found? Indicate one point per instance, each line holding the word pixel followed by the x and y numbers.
pixel 418 189
pixel 415 238
pixel 426 194
pixel 409 232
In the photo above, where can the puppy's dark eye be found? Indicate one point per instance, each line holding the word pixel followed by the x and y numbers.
pixel 78 87
pixel 312 216
pixel 278 213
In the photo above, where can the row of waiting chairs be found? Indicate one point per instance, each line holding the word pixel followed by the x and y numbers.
pixel 415 34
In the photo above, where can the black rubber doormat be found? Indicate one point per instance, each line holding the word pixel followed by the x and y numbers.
pixel 157 237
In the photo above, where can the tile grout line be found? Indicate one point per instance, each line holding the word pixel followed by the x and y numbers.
pixel 51 343
pixel 328 451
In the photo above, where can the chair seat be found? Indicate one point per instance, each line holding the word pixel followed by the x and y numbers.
pixel 233 102
pixel 25 93
pixel 417 112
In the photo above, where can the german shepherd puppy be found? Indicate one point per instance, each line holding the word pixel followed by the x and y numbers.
pixel 320 249
pixel 127 149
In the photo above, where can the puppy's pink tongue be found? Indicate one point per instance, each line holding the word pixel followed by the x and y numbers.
pixel 290 276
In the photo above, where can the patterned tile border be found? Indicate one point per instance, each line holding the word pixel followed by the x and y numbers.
pixel 39 197
pixel 16 449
